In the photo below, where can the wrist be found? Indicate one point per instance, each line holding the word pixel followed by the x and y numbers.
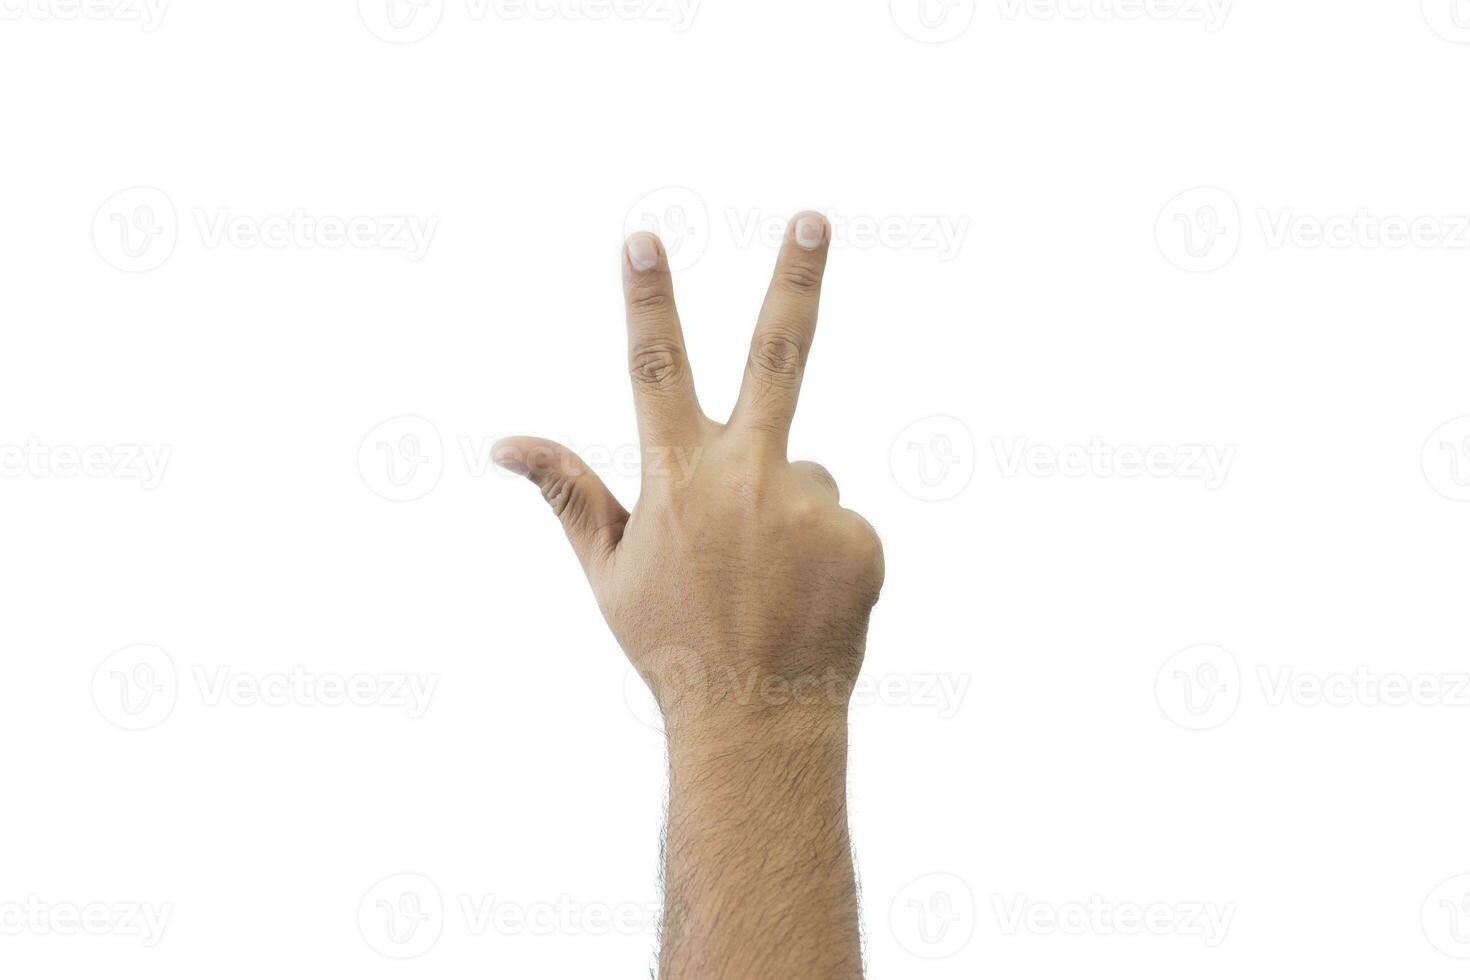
pixel 713 728
pixel 697 693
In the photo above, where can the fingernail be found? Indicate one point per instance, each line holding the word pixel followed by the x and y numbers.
pixel 810 230
pixel 642 252
pixel 507 458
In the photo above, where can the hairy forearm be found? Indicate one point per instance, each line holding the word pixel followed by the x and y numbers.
pixel 759 881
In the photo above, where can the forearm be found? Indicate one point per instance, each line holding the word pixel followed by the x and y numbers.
pixel 759 882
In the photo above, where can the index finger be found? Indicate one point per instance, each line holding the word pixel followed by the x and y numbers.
pixel 784 332
pixel 663 387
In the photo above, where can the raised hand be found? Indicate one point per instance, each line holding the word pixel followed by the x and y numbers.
pixel 740 588
pixel 735 563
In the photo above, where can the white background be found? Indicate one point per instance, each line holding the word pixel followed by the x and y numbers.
pixel 1081 764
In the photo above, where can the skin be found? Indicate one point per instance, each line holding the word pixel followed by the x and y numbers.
pixel 740 588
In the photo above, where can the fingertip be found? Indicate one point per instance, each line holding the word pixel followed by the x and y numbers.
pixel 508 455
pixel 810 230
pixel 643 251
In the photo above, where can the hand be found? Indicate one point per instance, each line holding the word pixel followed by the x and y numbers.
pixel 740 588
pixel 738 585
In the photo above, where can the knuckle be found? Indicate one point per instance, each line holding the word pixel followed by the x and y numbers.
pixel 649 300
pixel 799 278
pixel 766 425
pixel 776 356
pixel 866 545
pixel 561 492
pixel 656 365
pixel 817 474
pixel 805 511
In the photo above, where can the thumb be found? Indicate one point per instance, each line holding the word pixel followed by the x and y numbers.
pixel 589 513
